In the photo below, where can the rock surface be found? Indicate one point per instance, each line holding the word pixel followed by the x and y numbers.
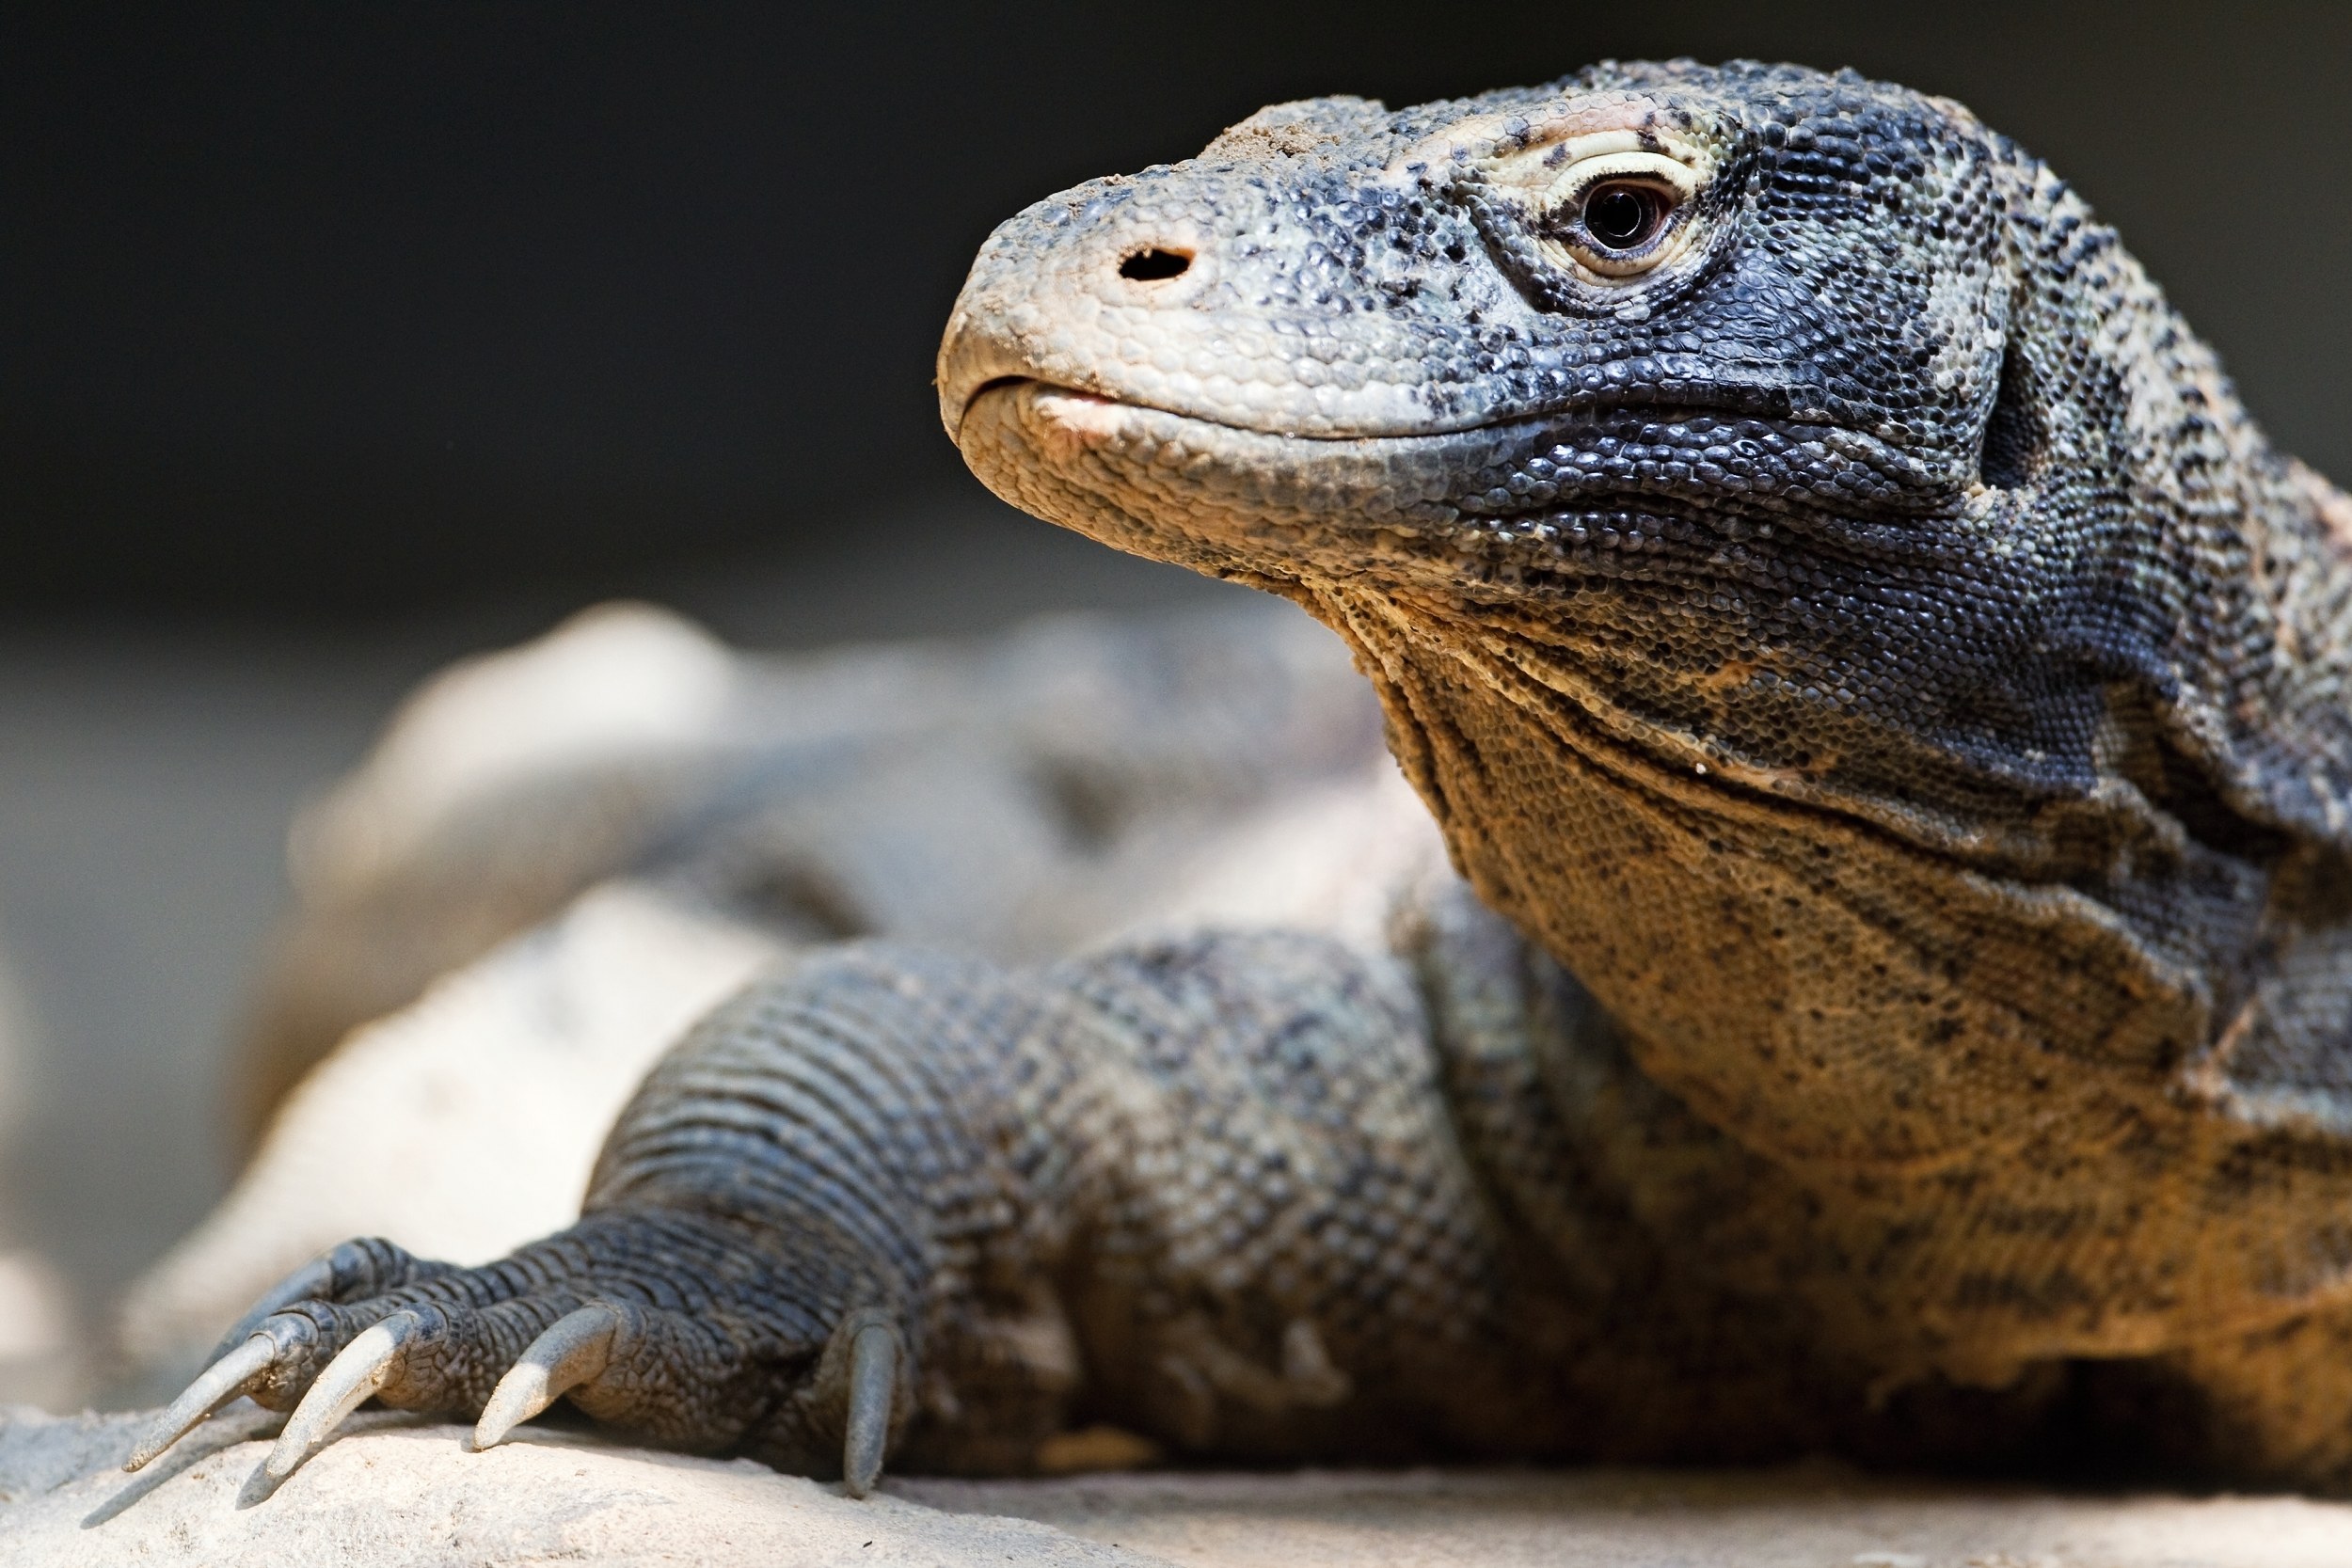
pixel 1799 1517
pixel 399 1495
pixel 395 1493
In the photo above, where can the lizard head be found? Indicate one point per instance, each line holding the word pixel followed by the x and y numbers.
pixel 1684 384
pixel 1781 444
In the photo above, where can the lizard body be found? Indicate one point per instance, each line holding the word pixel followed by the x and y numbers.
pixel 1886 697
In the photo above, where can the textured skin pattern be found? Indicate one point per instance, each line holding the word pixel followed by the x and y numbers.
pixel 1230 1151
pixel 1854 640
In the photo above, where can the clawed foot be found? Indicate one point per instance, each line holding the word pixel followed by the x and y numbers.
pixel 608 1315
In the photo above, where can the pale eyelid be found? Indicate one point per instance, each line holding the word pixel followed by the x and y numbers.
pixel 1649 168
pixel 1582 175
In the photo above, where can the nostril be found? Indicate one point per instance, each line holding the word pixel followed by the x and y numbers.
pixel 1149 266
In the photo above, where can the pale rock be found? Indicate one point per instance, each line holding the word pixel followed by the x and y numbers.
pixel 615 683
pixel 393 1492
pixel 462 1126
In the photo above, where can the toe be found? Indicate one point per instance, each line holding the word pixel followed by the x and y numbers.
pixel 230 1377
pixel 349 1272
pixel 873 1385
pixel 349 1381
pixel 575 1350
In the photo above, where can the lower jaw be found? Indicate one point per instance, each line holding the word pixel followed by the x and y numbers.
pixel 1142 481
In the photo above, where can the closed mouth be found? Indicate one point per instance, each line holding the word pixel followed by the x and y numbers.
pixel 1012 384
pixel 1081 398
pixel 1735 402
pixel 997 384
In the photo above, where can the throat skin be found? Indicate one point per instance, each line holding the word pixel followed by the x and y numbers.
pixel 1968 1106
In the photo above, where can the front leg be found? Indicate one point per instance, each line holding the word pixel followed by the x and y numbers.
pixel 1205 1188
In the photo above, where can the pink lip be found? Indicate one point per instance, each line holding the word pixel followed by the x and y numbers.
pixel 1075 418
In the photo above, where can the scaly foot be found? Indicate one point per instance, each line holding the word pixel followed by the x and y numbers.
pixel 663 1324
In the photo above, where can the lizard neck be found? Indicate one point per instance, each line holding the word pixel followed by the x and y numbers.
pixel 2002 1119
pixel 1823 988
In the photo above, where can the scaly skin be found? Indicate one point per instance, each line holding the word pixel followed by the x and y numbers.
pixel 1838 614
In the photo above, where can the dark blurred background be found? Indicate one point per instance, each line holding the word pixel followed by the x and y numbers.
pixel 336 340
pixel 332 308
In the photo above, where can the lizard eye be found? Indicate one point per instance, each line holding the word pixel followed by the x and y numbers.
pixel 1575 220
pixel 1619 226
pixel 1620 215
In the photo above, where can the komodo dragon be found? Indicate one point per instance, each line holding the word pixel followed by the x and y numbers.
pixel 1891 699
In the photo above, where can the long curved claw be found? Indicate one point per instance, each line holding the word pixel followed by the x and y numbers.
pixel 364 1367
pixel 238 1373
pixel 314 1279
pixel 575 1348
pixel 873 1376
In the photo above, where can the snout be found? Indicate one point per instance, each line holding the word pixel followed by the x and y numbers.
pixel 1080 291
pixel 1190 290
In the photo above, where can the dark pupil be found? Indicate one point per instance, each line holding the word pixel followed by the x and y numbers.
pixel 1619 216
